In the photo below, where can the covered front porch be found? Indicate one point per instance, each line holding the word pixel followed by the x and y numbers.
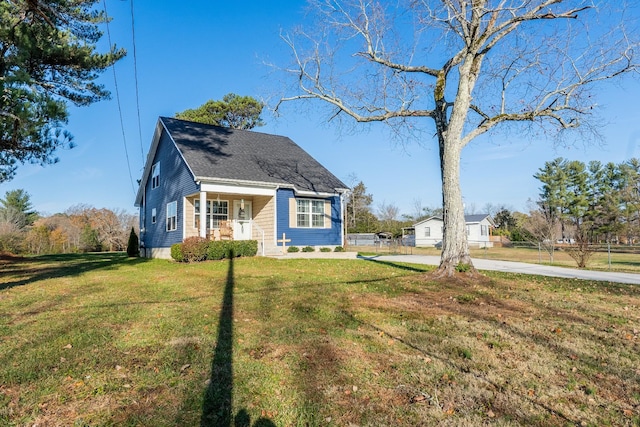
pixel 231 216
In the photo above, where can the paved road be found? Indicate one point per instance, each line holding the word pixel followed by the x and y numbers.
pixel 521 267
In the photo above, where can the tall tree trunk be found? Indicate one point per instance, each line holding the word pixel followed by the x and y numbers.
pixel 455 247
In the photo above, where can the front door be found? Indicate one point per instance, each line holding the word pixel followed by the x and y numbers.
pixel 242 220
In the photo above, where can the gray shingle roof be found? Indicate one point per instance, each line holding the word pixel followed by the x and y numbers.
pixel 475 217
pixel 217 152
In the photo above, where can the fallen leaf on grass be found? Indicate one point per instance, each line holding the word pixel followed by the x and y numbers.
pixel 269 414
pixel 418 399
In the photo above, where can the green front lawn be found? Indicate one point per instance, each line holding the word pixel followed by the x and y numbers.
pixel 100 339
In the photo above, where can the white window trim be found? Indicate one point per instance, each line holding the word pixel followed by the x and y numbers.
pixel 427 232
pixel 154 216
pixel 155 175
pixel 209 220
pixel 172 206
pixel 310 214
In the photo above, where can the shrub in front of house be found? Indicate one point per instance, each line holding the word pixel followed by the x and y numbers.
pixel 325 249
pixel 293 249
pixel 218 250
pixel 245 247
pixel 176 252
pixel 308 249
pixel 194 249
pixel 338 249
pixel 232 248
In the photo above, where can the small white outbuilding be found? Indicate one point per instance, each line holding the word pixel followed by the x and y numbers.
pixel 429 231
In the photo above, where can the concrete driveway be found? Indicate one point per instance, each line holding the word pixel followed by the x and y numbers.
pixel 520 267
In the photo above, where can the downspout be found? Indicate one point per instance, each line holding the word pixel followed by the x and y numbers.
pixel 275 218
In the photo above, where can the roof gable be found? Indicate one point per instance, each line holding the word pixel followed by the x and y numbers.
pixel 217 153
pixel 476 218
pixel 468 219
pixel 431 218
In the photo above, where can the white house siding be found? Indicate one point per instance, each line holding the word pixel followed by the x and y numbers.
pixel 434 224
pixel 475 236
pixel 435 232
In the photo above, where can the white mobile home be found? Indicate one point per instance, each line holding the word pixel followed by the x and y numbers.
pixel 429 231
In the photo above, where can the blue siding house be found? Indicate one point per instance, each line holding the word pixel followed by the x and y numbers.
pixel 220 183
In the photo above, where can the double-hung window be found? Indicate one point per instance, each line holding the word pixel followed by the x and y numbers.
pixel 155 175
pixel 484 230
pixel 427 232
pixel 309 213
pixel 153 216
pixel 172 216
pixel 217 210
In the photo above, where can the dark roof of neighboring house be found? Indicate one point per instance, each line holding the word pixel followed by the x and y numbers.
pixel 233 154
pixel 475 217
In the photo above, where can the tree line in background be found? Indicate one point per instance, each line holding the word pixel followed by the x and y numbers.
pixel 579 206
pixel 81 228
pixel 587 204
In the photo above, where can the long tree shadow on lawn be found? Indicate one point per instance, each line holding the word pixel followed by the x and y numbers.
pixel 217 407
pixel 34 269
pixel 397 265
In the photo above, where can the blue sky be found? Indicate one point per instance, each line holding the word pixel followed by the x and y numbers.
pixel 190 52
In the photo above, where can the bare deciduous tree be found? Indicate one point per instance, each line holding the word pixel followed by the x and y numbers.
pixel 470 66
pixel 543 226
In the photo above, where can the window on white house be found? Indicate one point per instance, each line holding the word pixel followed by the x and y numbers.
pixel 427 232
pixel 484 230
pixel 172 216
pixel 310 213
pixel 468 230
pixel 153 216
pixel 155 175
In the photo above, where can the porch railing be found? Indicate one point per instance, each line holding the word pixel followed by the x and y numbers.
pixel 256 229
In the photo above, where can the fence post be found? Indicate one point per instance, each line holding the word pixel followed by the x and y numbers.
pixel 609 253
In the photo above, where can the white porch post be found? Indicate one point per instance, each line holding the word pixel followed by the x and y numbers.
pixel 203 214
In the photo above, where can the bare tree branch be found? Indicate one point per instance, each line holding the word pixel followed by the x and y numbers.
pixel 470 66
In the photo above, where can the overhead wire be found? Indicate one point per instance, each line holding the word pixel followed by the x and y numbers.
pixel 115 79
pixel 135 75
